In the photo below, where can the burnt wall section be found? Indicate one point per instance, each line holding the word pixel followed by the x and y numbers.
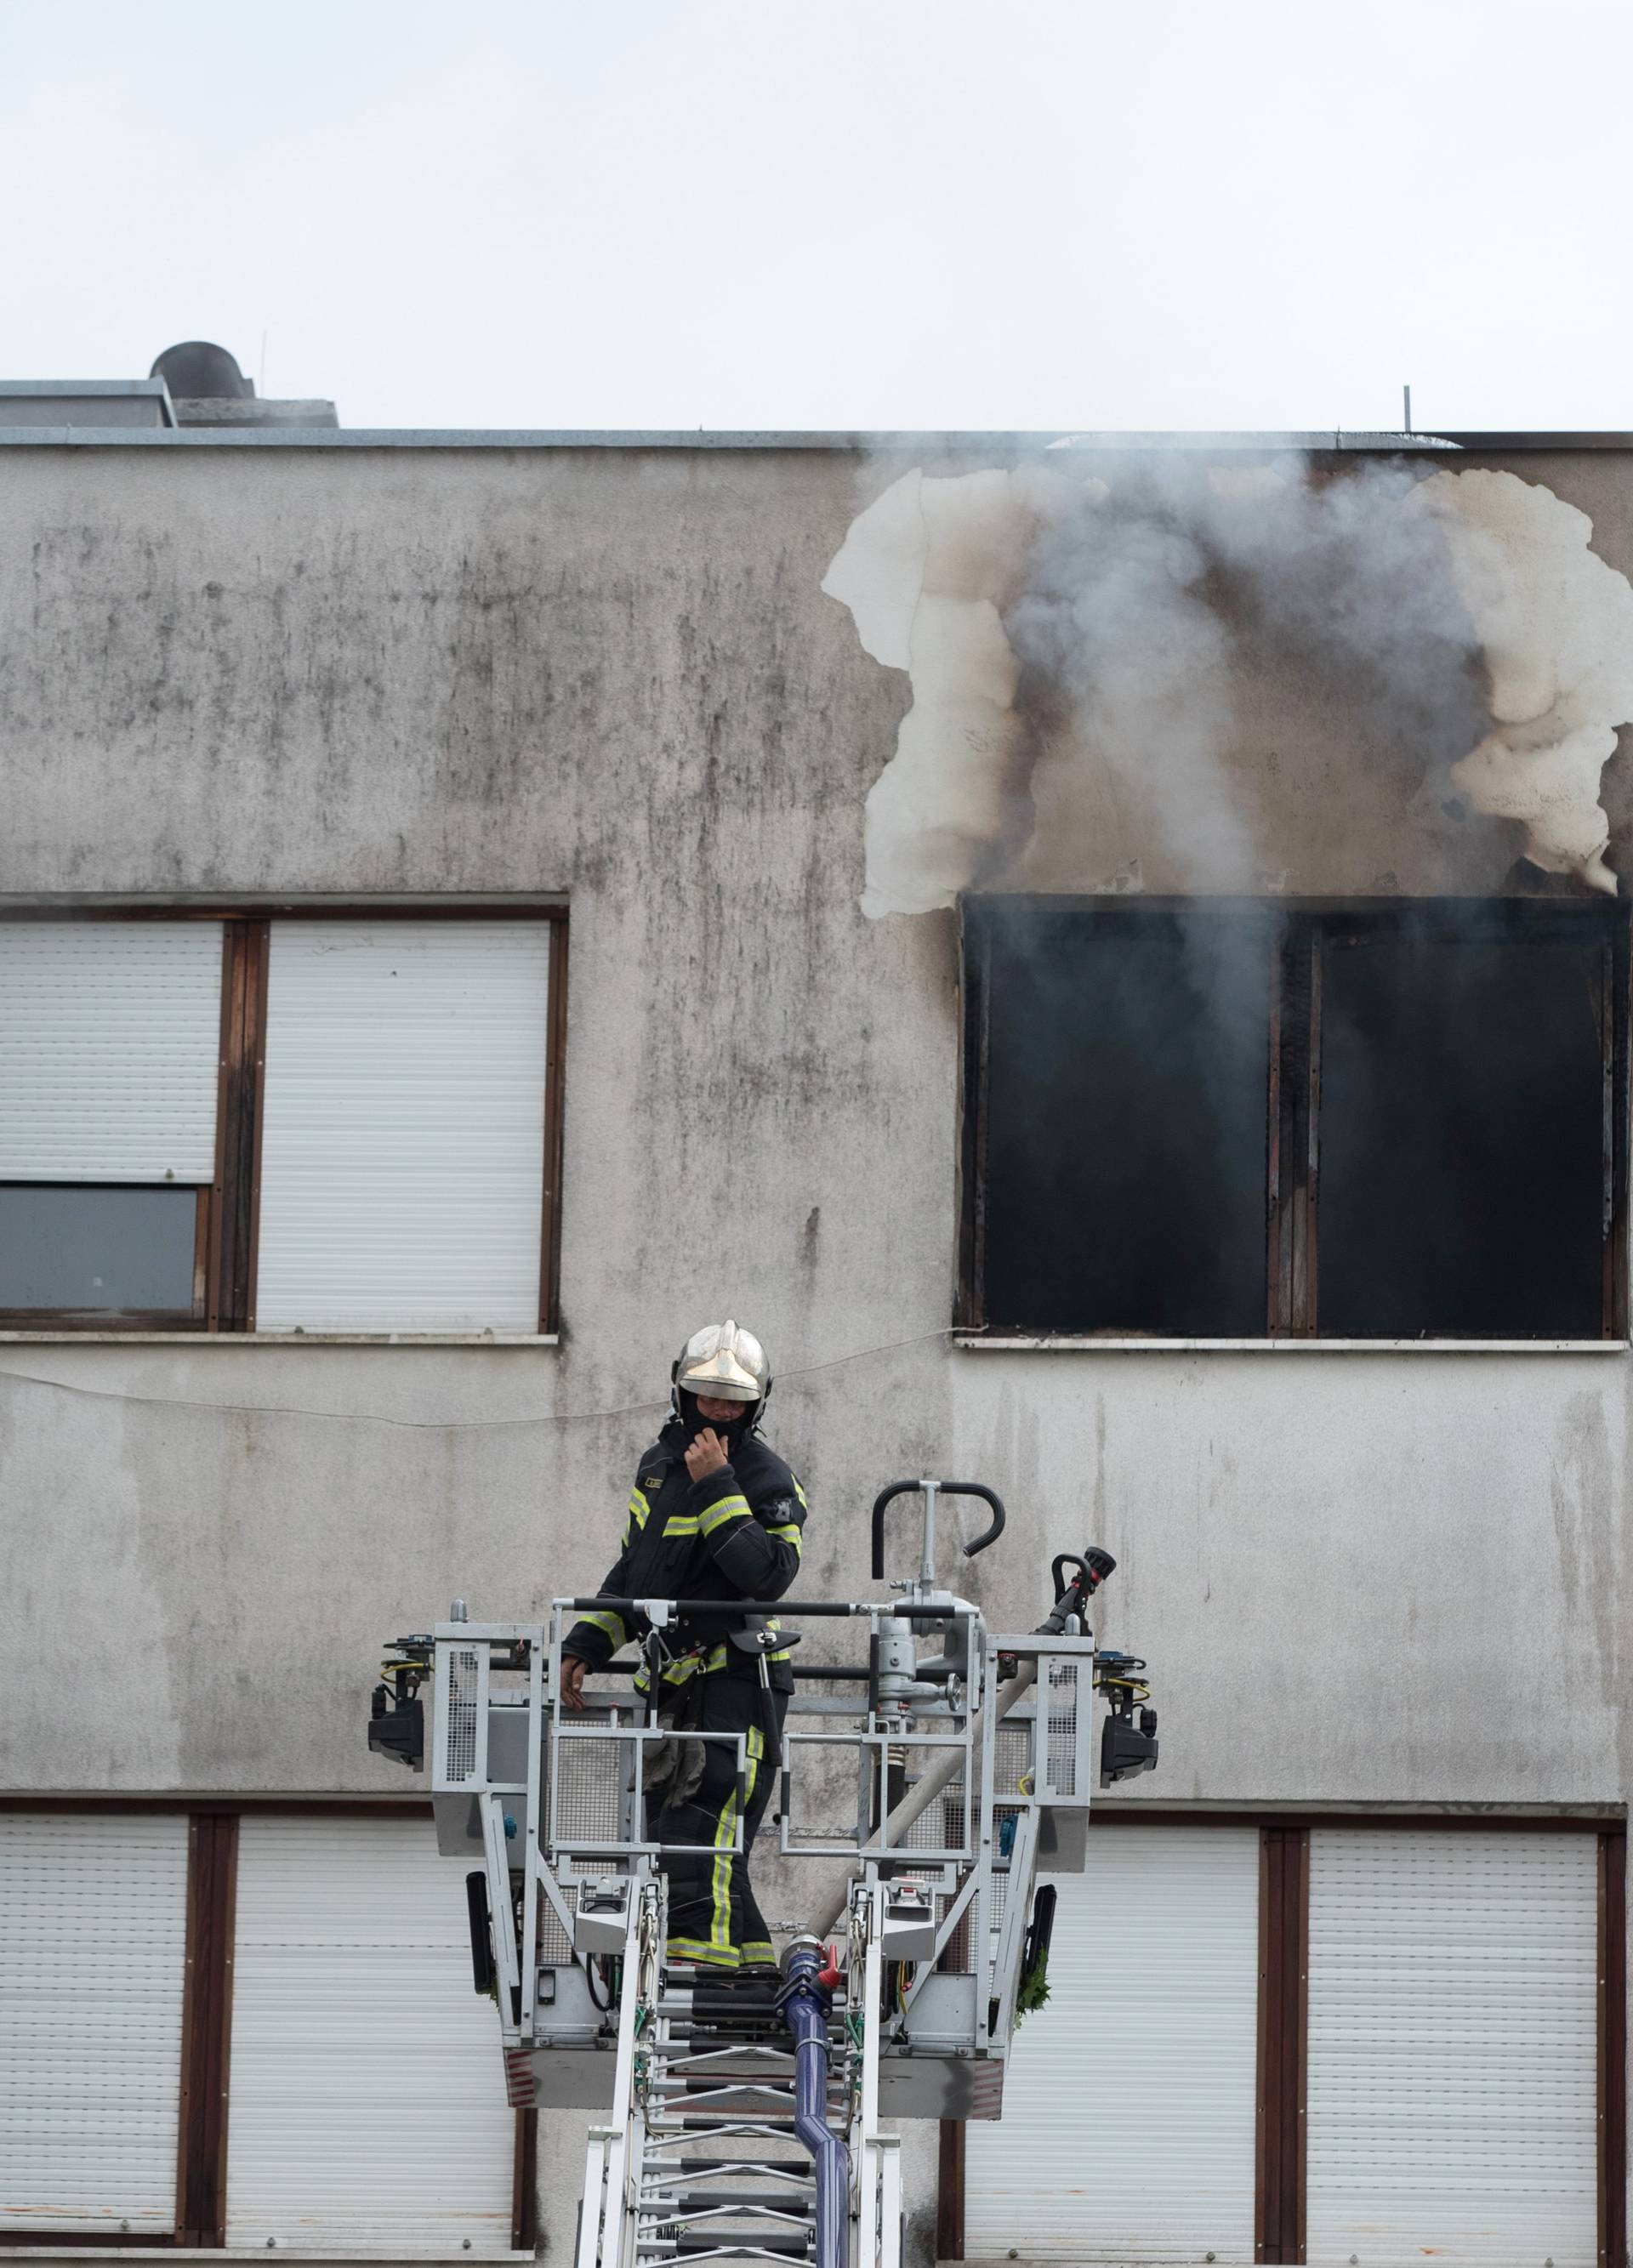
pixel 1157 671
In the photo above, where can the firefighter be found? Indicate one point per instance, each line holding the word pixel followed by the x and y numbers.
pixel 714 1514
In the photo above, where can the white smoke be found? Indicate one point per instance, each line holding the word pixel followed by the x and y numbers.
pixel 1555 628
pixel 1454 627
pixel 926 571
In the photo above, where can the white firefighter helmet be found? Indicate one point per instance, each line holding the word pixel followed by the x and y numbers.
pixel 726 1363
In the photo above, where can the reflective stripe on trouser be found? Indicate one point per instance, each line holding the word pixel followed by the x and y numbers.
pixel 714 1917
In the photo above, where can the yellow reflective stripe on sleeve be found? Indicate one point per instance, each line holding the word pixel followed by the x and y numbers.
pixel 729 1507
pixel 612 1624
pixel 789 1534
pixel 799 1492
pixel 637 1518
pixel 678 1525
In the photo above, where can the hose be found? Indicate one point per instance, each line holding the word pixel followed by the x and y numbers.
pixel 804 2002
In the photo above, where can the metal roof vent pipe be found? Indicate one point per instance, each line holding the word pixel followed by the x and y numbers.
pixel 207 388
pixel 197 371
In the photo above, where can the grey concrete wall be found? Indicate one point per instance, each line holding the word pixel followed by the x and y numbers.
pixel 1359 1577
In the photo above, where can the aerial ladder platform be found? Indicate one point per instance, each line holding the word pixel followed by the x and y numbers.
pixel 925 1794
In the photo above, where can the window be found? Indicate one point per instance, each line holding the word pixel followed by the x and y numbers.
pixel 229 1124
pixel 205 2022
pixel 1159 1936
pixel 109 1040
pixel 1381 2040
pixel 352 1962
pixel 93 1946
pixel 1233 1119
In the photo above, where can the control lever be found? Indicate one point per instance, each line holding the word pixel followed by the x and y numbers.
pixel 945 1487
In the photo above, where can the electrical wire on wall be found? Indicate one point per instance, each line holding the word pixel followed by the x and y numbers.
pixel 436 1424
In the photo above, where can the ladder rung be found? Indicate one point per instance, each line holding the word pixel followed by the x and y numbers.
pixel 667 2205
pixel 742 2121
pixel 796 2168
pixel 698 2247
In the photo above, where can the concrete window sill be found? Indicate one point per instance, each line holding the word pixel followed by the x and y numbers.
pixel 976 1342
pixel 282 1339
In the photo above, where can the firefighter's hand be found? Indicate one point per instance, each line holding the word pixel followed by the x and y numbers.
pixel 572 1682
pixel 706 1455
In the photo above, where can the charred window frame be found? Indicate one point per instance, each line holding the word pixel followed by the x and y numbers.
pixel 1410 1121
pixel 223 1225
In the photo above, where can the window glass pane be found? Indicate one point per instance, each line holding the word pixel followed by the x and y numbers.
pixel 1125 1120
pixel 97 1251
pixel 1462 1134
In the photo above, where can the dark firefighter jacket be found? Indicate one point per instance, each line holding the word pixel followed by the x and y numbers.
pixel 735 1535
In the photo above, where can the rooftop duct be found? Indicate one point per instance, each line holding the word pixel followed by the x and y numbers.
pixel 197 371
pixel 208 388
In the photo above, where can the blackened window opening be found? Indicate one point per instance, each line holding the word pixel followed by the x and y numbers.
pixel 1124 1123
pixel 1228 1118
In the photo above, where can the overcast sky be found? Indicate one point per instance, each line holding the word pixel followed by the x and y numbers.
pixel 845 213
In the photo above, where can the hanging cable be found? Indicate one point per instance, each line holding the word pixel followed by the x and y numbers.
pixel 429 1424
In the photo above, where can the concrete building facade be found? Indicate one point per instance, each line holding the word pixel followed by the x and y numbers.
pixel 253 676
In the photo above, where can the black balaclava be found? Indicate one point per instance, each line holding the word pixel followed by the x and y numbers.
pixel 732 1433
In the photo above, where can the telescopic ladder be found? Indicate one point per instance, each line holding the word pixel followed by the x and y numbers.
pixel 922 1794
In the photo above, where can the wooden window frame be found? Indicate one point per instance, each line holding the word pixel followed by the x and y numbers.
pixel 228 1224
pixel 1282 2073
pixel 1306 929
pixel 1279 2119
pixel 207 2018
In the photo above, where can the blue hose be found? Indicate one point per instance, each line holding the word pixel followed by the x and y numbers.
pixel 804 2002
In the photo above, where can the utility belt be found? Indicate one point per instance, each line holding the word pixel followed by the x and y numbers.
pixel 673 1769
pixel 755 1644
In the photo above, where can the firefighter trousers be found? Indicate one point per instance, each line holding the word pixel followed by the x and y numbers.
pixel 714 1917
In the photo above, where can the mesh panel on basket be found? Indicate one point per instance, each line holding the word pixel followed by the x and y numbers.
pixel 1012 1755
pixel 960 1953
pixel 555 1949
pixel 957 1957
pixel 461 1757
pixel 590 1788
pixel 1061 1740
pixel 941 1825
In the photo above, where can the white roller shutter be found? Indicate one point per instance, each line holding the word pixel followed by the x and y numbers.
pixel 1453 2106
pixel 402 1158
pixel 368 2094
pixel 1128 2115
pixel 92 1958
pixel 110 1034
